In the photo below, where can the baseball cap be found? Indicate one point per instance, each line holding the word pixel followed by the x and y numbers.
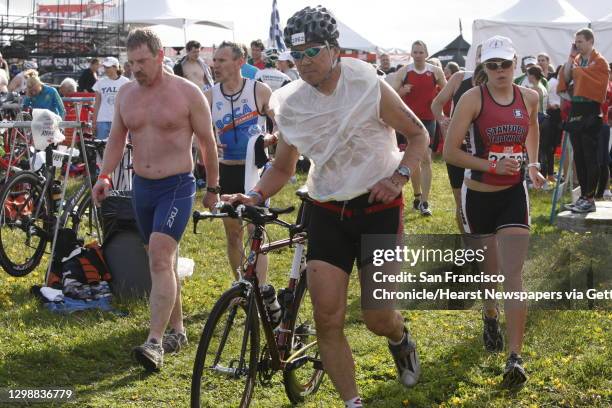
pixel 530 61
pixel 497 47
pixel 110 62
pixel 285 56
pixel 30 65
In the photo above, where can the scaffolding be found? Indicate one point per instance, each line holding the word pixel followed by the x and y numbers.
pixel 66 30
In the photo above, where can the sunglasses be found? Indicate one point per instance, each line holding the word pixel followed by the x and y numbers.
pixel 308 52
pixel 505 64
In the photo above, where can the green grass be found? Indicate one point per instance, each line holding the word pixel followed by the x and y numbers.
pixel 567 354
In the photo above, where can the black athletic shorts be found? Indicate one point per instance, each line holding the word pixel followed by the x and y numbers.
pixel 335 237
pixel 455 174
pixel 231 178
pixel 487 213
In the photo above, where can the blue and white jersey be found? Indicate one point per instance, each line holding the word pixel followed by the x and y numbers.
pixel 236 119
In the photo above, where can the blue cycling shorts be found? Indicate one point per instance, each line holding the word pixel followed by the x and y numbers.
pixel 163 205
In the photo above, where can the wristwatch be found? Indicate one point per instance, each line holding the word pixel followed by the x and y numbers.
pixel 214 190
pixel 404 171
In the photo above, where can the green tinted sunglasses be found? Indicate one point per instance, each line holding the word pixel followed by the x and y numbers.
pixel 308 52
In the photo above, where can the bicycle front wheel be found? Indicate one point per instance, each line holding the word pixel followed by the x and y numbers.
pixel 304 372
pixel 228 352
pixel 24 224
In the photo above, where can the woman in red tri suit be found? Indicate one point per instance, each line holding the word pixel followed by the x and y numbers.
pixel 502 120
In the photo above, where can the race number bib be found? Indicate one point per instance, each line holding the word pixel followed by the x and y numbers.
pixel 498 152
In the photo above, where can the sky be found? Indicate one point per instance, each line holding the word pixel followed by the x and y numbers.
pixel 388 23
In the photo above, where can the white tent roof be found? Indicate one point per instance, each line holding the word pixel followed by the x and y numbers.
pixel 352 40
pixel 559 11
pixel 176 13
pixel 593 9
pixel 534 27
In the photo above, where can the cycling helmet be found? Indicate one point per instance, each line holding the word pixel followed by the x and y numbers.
pixel 311 25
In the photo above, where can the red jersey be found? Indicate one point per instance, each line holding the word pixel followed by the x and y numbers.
pixel 499 132
pixel 424 90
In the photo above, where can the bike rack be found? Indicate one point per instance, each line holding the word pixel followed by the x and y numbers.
pixel 78 126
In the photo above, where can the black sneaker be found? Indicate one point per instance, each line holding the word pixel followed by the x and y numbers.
pixel 491 335
pixel 150 355
pixel 406 360
pixel 514 373
pixel 416 202
pixel 424 209
pixel 173 341
pixel 584 206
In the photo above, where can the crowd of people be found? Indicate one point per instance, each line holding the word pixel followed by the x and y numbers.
pixel 498 133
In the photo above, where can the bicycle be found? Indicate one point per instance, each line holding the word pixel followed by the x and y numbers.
pixel 234 322
pixel 30 203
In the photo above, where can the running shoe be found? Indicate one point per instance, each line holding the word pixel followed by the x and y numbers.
pixel 514 374
pixel 173 341
pixel 150 355
pixel 585 206
pixel 491 335
pixel 424 209
pixel 416 202
pixel 607 195
pixel 406 360
pixel 571 206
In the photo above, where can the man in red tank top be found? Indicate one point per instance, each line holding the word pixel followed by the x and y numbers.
pixel 417 84
pixel 504 137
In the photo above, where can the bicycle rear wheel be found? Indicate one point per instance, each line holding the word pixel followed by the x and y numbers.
pixel 304 374
pixel 24 223
pixel 228 352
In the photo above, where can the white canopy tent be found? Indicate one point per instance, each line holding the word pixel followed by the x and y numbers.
pixel 542 26
pixel 352 40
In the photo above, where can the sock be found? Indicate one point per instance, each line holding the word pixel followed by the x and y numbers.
pixel 397 343
pixel 353 403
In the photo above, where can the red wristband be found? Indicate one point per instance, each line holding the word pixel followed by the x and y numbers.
pixel 105 177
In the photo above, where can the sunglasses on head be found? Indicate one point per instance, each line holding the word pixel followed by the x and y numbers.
pixel 308 52
pixel 493 65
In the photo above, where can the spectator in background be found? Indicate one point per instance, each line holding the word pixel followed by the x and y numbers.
pixel 534 78
pixel 168 65
pixel 4 67
pixel 550 135
pixel 67 87
pixel 385 64
pixel 544 63
pixel 589 71
pixel 193 68
pixel 247 70
pixel 40 96
pixel 256 59
pixel 286 65
pixel 603 153
pixel 450 69
pixel 526 63
pixel 89 76
pixel 127 70
pixel 18 83
pixel 106 92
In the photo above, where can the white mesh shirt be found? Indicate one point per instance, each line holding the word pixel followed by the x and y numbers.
pixel 349 145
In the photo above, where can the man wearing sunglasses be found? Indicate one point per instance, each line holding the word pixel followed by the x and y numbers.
pixel 341 115
pixel 502 121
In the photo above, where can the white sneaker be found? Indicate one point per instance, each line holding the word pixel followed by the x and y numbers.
pixel 607 195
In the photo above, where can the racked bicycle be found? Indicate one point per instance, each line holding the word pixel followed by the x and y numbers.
pixel 30 203
pixel 229 359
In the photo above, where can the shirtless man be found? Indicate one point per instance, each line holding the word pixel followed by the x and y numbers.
pixel 193 68
pixel 164 188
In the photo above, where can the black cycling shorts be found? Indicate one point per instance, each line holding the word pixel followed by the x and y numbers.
pixel 487 213
pixel 434 137
pixel 231 178
pixel 335 237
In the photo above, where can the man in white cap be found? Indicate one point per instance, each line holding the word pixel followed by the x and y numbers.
pixel 286 65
